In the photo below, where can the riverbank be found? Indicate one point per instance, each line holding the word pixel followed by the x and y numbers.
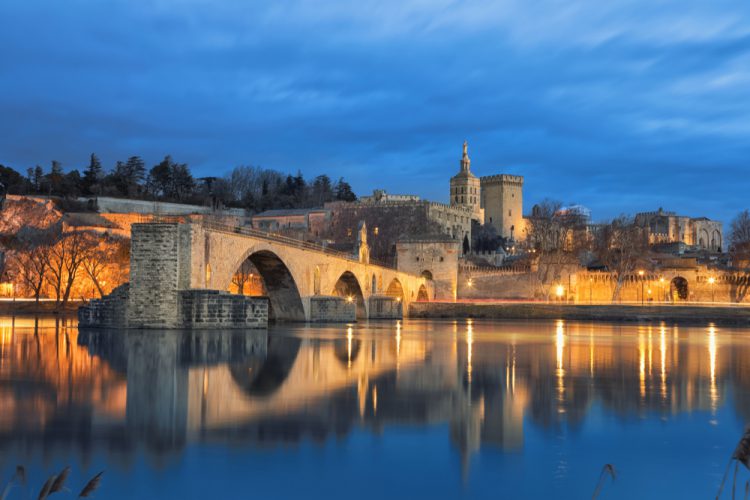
pixel 10 307
pixel 691 314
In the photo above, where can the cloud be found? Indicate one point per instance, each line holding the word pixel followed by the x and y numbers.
pixel 621 106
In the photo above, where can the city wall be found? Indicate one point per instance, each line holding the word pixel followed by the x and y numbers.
pixel 686 314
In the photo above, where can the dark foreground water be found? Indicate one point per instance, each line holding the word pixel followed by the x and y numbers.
pixel 413 409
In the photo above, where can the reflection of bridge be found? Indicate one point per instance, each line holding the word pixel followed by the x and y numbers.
pixel 179 275
pixel 166 388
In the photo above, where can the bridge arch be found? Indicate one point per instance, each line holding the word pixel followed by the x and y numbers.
pixel 283 294
pixel 422 295
pixel 679 289
pixel 395 290
pixel 348 286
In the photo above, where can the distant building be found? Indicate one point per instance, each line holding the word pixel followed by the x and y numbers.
pixel 380 196
pixel 299 222
pixel 668 227
pixel 496 200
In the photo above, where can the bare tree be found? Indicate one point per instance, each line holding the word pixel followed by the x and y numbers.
pixel 739 239
pixel 29 258
pixel 65 260
pixel 243 276
pixel 622 247
pixel 558 238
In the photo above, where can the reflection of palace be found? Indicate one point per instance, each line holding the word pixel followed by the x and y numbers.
pixel 161 390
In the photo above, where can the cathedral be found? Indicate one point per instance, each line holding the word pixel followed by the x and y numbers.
pixel 496 200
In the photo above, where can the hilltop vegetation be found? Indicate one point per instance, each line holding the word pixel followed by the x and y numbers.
pixel 252 188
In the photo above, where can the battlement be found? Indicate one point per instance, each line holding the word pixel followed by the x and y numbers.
pixel 502 179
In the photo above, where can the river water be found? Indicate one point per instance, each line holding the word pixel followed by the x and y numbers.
pixel 412 409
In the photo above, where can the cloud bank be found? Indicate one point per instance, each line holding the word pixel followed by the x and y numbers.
pixel 621 106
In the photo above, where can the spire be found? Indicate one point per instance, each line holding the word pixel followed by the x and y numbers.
pixel 465 161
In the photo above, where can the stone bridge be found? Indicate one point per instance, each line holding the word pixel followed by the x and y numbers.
pixel 300 277
pixel 180 274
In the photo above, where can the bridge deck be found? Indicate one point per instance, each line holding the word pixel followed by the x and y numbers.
pixel 285 240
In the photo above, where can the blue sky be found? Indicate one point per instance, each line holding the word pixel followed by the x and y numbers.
pixel 619 105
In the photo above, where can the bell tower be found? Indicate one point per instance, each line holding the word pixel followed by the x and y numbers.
pixel 465 188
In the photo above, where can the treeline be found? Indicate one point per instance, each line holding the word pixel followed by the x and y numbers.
pixel 253 188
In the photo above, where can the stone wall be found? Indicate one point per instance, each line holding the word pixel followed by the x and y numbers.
pixel 700 314
pixel 109 311
pixel 327 308
pixel 434 258
pixel 385 307
pixel 214 309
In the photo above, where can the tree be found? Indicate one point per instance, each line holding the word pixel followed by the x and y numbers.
pixel 128 177
pixel 93 175
pixel 321 191
pixel 65 260
pixel 243 276
pixel 739 237
pixel 344 191
pixel 102 261
pixel 558 239
pixel 739 251
pixel 485 238
pixel 622 247
pixel 29 258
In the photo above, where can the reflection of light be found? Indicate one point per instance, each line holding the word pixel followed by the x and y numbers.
pixel 663 353
pixel 469 344
pixel 642 364
pixel 375 399
pixel 349 346
pixel 560 372
pixel 398 343
pixel 712 365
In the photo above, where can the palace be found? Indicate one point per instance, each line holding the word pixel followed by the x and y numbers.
pixel 496 200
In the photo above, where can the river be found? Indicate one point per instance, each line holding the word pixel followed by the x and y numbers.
pixel 411 409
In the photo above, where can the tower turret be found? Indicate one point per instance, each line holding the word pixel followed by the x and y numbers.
pixel 465 188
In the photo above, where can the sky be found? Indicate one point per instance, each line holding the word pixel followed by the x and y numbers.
pixel 622 106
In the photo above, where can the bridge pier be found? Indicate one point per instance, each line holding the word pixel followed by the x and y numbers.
pixel 330 309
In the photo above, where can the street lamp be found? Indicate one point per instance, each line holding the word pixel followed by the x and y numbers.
pixel 711 281
pixel 640 273
pixel 559 291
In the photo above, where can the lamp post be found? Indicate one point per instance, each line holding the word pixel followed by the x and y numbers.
pixel 711 281
pixel 640 274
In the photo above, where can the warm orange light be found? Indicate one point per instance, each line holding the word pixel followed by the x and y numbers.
pixel 470 282
pixel 640 273
pixel 559 290
pixel 350 299
pixel 711 280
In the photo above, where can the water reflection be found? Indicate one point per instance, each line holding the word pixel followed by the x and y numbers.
pixel 158 390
